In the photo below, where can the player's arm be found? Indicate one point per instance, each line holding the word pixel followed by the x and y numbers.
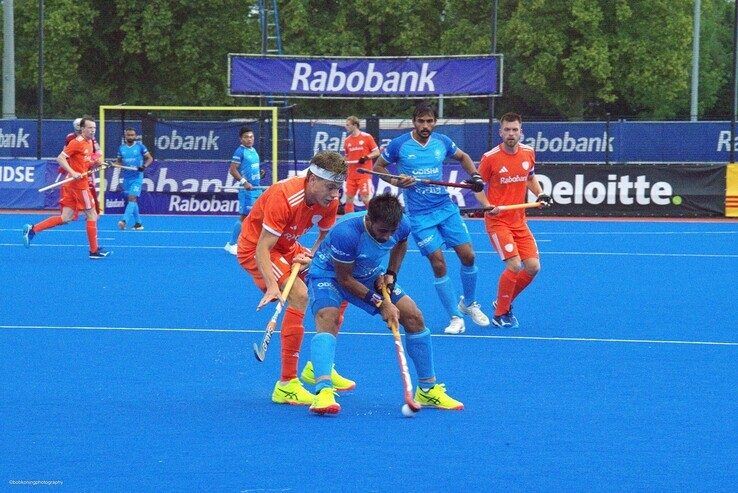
pixel 236 174
pixel 321 235
pixel 535 187
pixel 345 279
pixel 475 180
pixel 62 160
pixel 264 247
pixel 380 166
pixel 148 159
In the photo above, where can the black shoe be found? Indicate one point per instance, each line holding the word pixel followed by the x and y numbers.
pixel 100 253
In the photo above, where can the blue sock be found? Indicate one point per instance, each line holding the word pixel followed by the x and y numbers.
pixel 136 217
pixel 469 283
pixel 322 353
pixel 420 350
pixel 448 298
pixel 128 213
pixel 235 232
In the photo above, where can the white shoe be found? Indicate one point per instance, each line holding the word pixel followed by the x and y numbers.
pixel 475 312
pixel 232 249
pixel 455 326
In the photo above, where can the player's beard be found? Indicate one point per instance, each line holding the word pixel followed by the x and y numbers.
pixel 130 141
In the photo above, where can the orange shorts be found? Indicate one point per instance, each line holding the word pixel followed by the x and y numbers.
pixel 358 183
pixel 510 241
pixel 281 264
pixel 76 199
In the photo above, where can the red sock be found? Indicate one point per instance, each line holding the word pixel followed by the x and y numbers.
pixel 92 235
pixel 505 290
pixel 292 332
pixel 47 223
pixel 341 311
pixel 348 206
pixel 521 282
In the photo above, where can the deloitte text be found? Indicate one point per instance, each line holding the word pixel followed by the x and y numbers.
pixel 618 190
pixel 336 81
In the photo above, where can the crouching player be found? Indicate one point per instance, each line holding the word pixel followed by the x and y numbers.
pixel 348 266
pixel 268 246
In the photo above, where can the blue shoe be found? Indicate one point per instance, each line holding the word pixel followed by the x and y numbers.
pixel 510 318
pixel 28 234
pixel 506 321
pixel 100 253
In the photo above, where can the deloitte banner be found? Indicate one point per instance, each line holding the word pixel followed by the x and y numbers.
pixel 317 77
pixel 633 190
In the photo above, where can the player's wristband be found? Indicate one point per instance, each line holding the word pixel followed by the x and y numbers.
pixel 373 299
pixel 242 181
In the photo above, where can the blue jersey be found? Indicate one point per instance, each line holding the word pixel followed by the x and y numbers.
pixel 421 161
pixel 132 155
pixel 350 242
pixel 248 164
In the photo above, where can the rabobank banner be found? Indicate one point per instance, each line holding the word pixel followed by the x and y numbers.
pixel 620 142
pixel 317 77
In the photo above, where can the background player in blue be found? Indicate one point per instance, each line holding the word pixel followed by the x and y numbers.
pixel 133 153
pixel 349 266
pixel 434 218
pixel 246 171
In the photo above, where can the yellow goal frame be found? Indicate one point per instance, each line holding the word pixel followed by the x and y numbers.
pixel 273 109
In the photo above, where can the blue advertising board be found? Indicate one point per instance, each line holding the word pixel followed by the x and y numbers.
pixel 377 77
pixel 555 142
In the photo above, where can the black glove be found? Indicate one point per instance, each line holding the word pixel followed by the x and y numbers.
pixel 141 168
pixel 390 285
pixel 477 185
pixel 363 159
pixel 545 200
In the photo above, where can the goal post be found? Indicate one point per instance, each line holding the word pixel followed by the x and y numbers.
pixel 269 115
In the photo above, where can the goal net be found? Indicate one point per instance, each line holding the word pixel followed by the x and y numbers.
pixel 192 149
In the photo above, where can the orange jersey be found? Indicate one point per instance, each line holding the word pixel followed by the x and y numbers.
pixel 507 178
pixel 79 156
pixel 356 146
pixel 282 211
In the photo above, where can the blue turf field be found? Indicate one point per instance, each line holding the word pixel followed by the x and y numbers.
pixel 623 376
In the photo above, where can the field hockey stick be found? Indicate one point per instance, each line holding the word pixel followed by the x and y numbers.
pixel 120 166
pixel 237 189
pixel 512 207
pixel 404 370
pixel 424 181
pixel 260 350
pixel 71 179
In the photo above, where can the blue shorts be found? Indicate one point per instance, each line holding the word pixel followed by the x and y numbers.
pixel 246 199
pixel 325 292
pixel 132 186
pixel 440 226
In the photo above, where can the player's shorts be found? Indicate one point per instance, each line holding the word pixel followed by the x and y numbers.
pixel 76 199
pixel 132 186
pixel 281 264
pixel 510 241
pixel 325 292
pixel 246 199
pixel 357 183
pixel 438 227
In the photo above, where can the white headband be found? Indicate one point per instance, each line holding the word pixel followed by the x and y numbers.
pixel 327 175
